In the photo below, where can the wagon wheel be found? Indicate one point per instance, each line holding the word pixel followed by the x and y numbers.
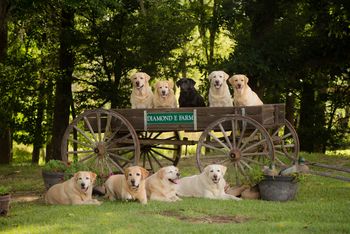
pixel 238 142
pixel 103 140
pixel 286 144
pixel 158 149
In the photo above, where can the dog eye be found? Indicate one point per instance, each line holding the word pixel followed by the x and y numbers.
pixel 138 174
pixel 130 174
pixel 87 178
pixel 218 170
pixel 211 170
pixel 79 178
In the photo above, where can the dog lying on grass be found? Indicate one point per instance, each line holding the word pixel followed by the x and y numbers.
pixel 130 186
pixel 209 184
pixel 162 185
pixel 75 191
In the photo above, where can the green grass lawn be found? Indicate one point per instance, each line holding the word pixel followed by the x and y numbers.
pixel 322 205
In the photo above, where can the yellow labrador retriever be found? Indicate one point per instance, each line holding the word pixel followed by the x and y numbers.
pixel 162 185
pixel 209 184
pixel 243 95
pixel 130 186
pixel 141 95
pixel 75 191
pixel 164 96
pixel 219 93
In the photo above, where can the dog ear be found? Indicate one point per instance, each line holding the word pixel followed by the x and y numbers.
pixel 192 81
pixel 226 76
pixel 76 175
pixel 171 84
pixel 232 80
pixel 144 173
pixel 223 169
pixel 93 177
pixel 147 77
pixel 246 79
pixel 179 82
pixel 211 75
pixel 126 172
pixel 161 173
pixel 133 76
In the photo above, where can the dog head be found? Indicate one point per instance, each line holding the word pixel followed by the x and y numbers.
pixel 140 80
pixel 135 175
pixel 218 78
pixel 239 82
pixel 169 174
pixel 215 172
pixel 164 87
pixel 186 84
pixel 84 180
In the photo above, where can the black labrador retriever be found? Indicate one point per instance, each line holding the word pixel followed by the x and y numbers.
pixel 189 96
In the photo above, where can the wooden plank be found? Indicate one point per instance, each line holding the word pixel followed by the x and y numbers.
pixel 269 115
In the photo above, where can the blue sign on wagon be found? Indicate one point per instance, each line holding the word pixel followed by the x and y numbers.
pixel 171 118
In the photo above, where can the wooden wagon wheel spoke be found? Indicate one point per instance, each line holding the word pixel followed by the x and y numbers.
pixel 218 140
pixel 87 122
pixel 213 147
pixel 225 135
pixel 153 149
pixel 130 147
pixel 242 134
pixel 150 161
pixel 233 127
pixel 255 154
pixel 80 151
pixel 81 143
pixel 254 145
pixel 286 144
pixel 116 165
pixel 254 161
pixel 87 157
pixel 245 164
pixel 107 128
pixel 83 133
pixel 161 155
pixel 249 138
pixel 120 140
pixel 116 156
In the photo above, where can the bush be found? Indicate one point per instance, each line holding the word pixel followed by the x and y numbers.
pixel 55 166
pixel 4 190
pixel 73 168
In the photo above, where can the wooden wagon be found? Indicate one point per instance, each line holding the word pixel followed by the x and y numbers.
pixel 238 137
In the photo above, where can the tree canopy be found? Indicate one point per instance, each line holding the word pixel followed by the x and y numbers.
pixel 59 58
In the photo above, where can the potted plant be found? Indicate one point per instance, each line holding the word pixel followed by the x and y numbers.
pixel 5 198
pixel 280 187
pixel 53 172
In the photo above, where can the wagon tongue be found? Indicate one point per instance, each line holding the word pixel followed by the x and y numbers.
pixel 174 181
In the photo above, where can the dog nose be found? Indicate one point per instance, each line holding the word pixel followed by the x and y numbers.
pixel 137 83
pixel 215 176
pixel 239 85
pixel 133 181
pixel 82 184
pixel 163 92
pixel 178 174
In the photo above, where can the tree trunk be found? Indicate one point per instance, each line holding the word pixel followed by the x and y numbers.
pixel 63 97
pixel 5 131
pixel 306 125
pixel 290 103
pixel 38 134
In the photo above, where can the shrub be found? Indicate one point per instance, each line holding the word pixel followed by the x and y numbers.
pixel 55 166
